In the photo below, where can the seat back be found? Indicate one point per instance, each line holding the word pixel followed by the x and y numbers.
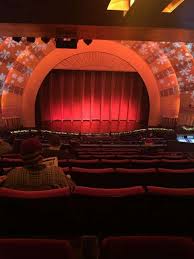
pixel 147 247
pixel 34 212
pixel 35 248
pixel 94 177
pixel 101 211
pixel 170 210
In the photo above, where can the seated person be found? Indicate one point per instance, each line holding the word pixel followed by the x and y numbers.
pixel 54 142
pixel 56 149
pixel 34 175
pixel 5 147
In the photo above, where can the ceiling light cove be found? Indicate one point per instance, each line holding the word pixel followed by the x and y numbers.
pixel 120 5
pixel 172 6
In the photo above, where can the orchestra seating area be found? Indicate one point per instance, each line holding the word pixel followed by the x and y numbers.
pixel 124 189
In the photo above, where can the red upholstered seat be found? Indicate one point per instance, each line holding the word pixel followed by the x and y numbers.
pixel 140 171
pixel 175 171
pixel 92 170
pixel 89 163
pixel 46 209
pixel 10 193
pixel 142 163
pixel 147 247
pixel 115 163
pixel 177 163
pixel 162 191
pixel 180 161
pixel 102 211
pixel 35 249
pixel 10 162
pixel 100 192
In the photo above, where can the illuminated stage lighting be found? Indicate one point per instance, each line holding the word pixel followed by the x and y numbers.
pixel 65 43
pixel 122 5
pixel 172 6
pixel 31 39
pixel 45 39
pixel 17 39
pixel 87 41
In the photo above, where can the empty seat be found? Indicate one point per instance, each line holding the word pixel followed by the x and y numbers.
pixel 94 177
pixel 178 178
pixel 35 248
pixel 90 163
pixel 147 247
pixel 48 210
pixel 125 163
pixel 132 177
pixel 170 210
pixel 145 163
pixel 176 164
pixel 108 211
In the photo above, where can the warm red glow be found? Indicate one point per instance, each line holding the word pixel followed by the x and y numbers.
pixel 89 101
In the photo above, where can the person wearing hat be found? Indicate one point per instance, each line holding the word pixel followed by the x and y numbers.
pixel 34 175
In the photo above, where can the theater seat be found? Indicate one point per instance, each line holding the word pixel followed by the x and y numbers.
pixel 107 211
pixel 142 163
pixel 123 163
pixel 147 247
pixel 163 191
pixel 170 210
pixel 46 209
pixel 177 164
pixel 133 177
pixel 177 178
pixel 94 177
pixel 90 163
pixel 35 249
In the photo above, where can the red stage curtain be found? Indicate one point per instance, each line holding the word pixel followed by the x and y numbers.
pixel 92 101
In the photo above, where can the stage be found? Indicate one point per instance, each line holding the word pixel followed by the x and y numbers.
pixel 92 102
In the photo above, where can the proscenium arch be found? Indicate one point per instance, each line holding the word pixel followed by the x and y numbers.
pixel 58 55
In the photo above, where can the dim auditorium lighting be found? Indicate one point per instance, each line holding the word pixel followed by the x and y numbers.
pixel 66 43
pixel 172 6
pixel 31 39
pixel 17 39
pixel 87 41
pixel 45 39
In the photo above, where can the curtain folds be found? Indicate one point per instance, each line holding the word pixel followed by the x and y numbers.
pixel 92 101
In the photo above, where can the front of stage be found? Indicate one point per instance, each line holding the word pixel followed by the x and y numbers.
pixel 95 126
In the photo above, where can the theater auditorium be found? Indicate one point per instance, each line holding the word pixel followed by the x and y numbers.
pixel 97 129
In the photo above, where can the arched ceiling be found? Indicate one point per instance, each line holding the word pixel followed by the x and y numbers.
pixel 95 60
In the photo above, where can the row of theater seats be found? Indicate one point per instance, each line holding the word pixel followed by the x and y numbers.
pixel 124 177
pixel 95 211
pixel 132 247
pixel 110 163
pixel 120 155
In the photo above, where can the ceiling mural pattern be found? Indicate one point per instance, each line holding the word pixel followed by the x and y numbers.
pixel 171 63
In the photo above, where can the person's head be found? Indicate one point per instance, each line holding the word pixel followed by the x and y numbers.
pixel 31 151
pixel 11 139
pixel 54 140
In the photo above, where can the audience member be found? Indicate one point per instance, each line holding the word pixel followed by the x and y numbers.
pixel 34 175
pixel 54 142
pixel 5 147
